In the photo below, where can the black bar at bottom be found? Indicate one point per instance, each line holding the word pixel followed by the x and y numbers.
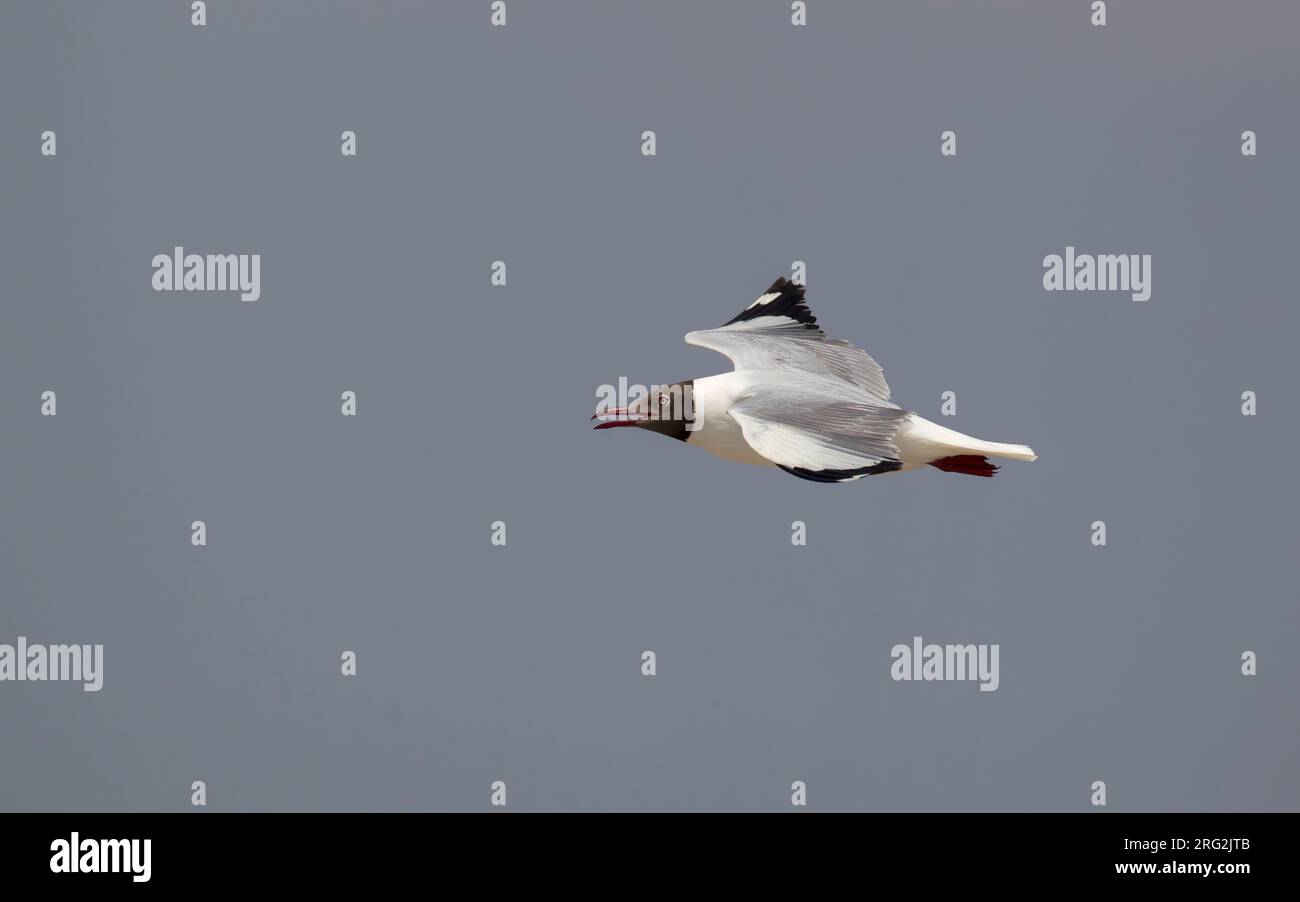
pixel 334 851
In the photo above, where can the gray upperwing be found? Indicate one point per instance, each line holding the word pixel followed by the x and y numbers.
pixel 778 331
pixel 776 349
pixel 820 437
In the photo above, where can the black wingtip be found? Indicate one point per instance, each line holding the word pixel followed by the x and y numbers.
pixel 787 301
pixel 885 466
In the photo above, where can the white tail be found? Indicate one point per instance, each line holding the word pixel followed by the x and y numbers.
pixel 1001 449
pixel 920 441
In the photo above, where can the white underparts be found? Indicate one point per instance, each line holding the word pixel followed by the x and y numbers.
pixel 919 441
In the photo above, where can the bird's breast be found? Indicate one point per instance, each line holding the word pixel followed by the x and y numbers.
pixel 716 431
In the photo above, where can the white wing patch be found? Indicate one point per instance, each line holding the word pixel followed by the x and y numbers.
pixel 764 299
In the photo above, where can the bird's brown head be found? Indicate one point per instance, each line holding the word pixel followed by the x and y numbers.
pixel 666 409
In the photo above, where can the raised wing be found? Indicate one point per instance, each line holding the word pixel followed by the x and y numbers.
pixel 815 437
pixel 778 331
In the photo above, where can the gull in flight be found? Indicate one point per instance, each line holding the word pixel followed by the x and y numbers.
pixel 816 407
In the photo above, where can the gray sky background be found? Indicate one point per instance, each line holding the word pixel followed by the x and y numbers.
pixel 775 143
